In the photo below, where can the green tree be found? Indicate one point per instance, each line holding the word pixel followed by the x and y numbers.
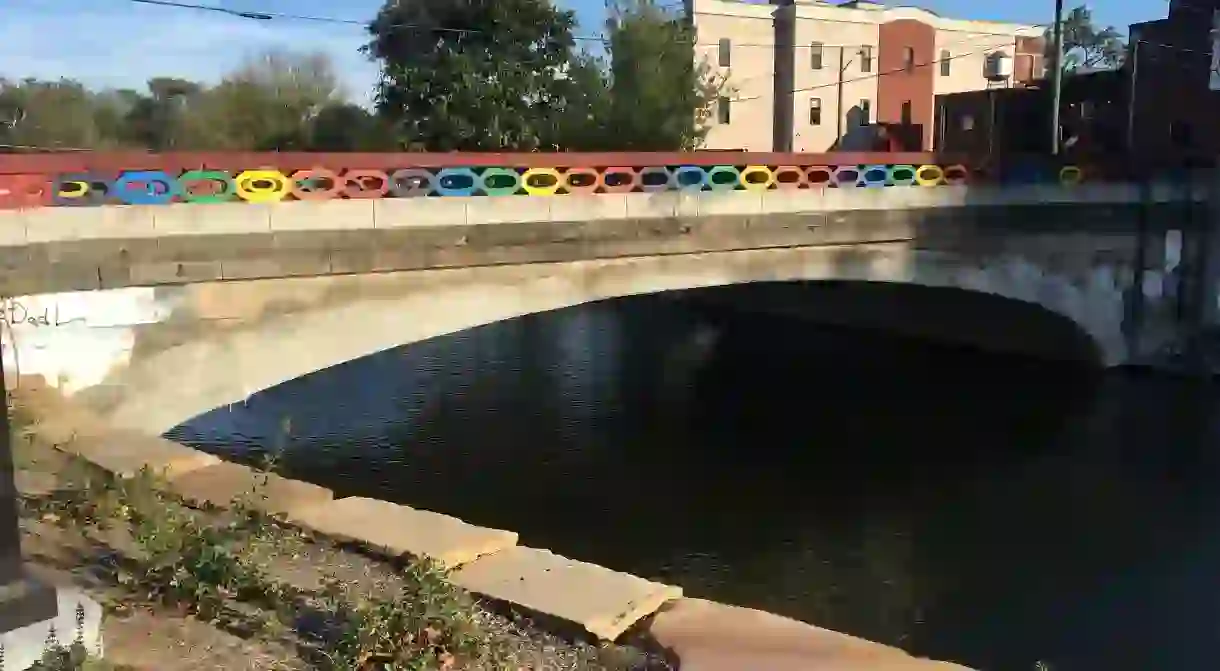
pixel 474 74
pixel 349 127
pixel 660 94
pixel 269 103
pixel 112 112
pixel 51 114
pixel 582 123
pixel 1084 44
pixel 163 120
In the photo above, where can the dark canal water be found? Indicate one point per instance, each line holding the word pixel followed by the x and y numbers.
pixel 990 510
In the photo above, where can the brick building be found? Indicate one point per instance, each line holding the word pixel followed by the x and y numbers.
pixel 1158 106
pixel 789 63
pixel 1174 110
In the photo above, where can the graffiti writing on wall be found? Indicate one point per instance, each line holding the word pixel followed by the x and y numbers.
pixel 16 313
pixel 269 185
pixel 76 339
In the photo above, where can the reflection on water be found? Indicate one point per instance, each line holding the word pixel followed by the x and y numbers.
pixel 990 510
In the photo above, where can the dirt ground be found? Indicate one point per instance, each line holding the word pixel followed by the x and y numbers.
pixel 148 638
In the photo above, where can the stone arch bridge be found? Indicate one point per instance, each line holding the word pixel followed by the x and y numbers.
pixel 154 315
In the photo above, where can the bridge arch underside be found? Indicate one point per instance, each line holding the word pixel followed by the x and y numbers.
pixel 946 315
pixel 227 341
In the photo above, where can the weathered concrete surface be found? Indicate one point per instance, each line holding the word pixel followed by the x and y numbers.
pixel 63 249
pixel 605 602
pixel 398 531
pixel 222 483
pixel 76 430
pixel 389 273
pixel 721 658
pixel 230 340
pixel 126 453
pixel 708 636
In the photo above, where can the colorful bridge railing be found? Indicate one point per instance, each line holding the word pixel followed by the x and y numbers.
pixel 74 180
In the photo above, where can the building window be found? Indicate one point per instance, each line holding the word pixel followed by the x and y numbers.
pixel 726 52
pixel 946 61
pixel 908 59
pixel 906 113
pixel 866 58
pixel 866 112
pixel 723 114
pixel 815 56
pixel 815 111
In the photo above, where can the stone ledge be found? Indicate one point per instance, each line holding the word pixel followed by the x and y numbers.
pixel 733 659
pixel 77 431
pixel 222 483
pixel 399 531
pixel 709 636
pixel 127 453
pixel 47 224
pixel 688 623
pixel 605 602
pixel 111 263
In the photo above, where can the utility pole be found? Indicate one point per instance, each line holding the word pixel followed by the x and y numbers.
pixel 23 600
pixel 839 95
pixel 1131 89
pixel 1056 75
pixel 1209 310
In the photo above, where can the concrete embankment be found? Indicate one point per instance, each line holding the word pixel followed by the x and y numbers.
pixel 700 635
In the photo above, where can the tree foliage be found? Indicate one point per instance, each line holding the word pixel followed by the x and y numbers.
pixel 278 100
pixel 53 114
pixel 465 75
pixel 271 102
pixel 1085 45
pixel 660 94
pixel 490 75
pixel 474 74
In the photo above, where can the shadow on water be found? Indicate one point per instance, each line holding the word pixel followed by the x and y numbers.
pixel 992 510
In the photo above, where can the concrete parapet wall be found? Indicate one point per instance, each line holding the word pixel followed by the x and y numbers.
pixel 78 257
pixel 46 225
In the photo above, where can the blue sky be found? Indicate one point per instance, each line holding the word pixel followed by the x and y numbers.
pixel 121 44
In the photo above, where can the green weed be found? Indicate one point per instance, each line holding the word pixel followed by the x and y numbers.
pixel 191 563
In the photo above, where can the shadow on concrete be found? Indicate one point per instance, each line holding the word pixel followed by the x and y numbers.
pixel 946 315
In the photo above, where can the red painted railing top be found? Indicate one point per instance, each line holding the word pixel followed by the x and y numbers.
pixel 1097 166
pixel 102 162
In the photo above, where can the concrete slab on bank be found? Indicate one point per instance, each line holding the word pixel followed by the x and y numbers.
pixel 722 659
pixel 223 483
pixel 710 636
pixel 126 453
pixel 691 623
pixel 397 530
pixel 606 603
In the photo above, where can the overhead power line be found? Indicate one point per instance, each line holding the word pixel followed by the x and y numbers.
pixel 875 75
pixel 599 38
pixel 602 39
pixel 260 16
